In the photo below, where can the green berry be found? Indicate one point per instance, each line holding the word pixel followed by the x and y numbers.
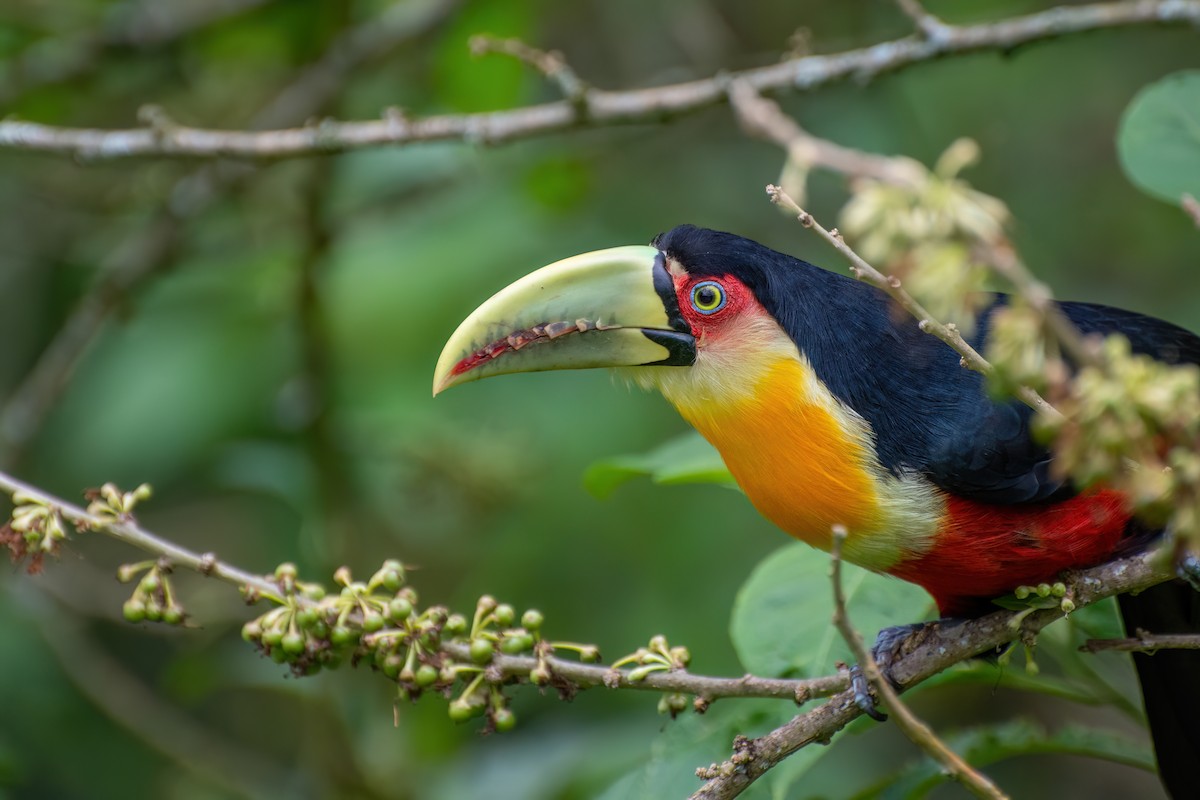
pixel 272 637
pixel 481 650
pixel 154 610
pixel 505 615
pixel 427 675
pixel 539 675
pixel 173 614
pixel 252 631
pixel 134 610
pixel 400 609
pixel 277 655
pixel 516 644
pixel 503 719
pixel 460 711
pixel 286 571
pixel 151 582
pixel 392 664
pixel 456 625
pixel 532 619
pixel 589 654
pixel 307 617
pixel 372 621
pixel 393 577
pixel 342 635
pixel 293 643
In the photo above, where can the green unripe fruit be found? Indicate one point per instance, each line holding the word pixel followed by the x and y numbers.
pixel 505 615
pixel 154 610
pixel 456 625
pixel 172 615
pixel 539 675
pixel 400 609
pixel 134 610
pixel 272 637
pixel 516 644
pixel 150 583
pixel 313 591
pixel 252 631
pixel 427 675
pixel 460 711
pixel 532 619
pixel 372 621
pixel 393 579
pixel 343 635
pixel 307 617
pixel 319 629
pixel 392 665
pixel 589 654
pixel 293 643
pixel 481 650
pixel 504 720
pixel 278 656
pixel 286 571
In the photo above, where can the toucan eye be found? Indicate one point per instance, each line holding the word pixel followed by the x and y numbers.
pixel 708 297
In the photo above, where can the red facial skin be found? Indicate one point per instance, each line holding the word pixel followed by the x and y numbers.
pixel 739 302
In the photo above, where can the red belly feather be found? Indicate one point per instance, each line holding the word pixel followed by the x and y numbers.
pixel 982 551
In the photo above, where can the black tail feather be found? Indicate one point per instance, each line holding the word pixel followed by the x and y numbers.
pixel 1170 681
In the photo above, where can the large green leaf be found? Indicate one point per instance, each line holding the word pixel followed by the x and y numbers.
pixel 781 617
pixel 684 459
pixel 989 744
pixel 1159 137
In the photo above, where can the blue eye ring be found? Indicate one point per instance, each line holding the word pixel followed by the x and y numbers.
pixel 708 297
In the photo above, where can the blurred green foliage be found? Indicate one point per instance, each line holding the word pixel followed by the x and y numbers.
pixel 271 379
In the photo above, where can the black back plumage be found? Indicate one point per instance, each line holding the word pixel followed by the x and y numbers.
pixel 932 416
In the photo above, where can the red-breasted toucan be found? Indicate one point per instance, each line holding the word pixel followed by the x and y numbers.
pixel 830 407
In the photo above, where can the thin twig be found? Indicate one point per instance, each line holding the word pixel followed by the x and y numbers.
pixel 948 333
pixel 603 108
pixel 924 654
pixel 552 64
pixel 912 726
pixel 1144 642
pixel 710 688
pixel 928 24
pixel 763 118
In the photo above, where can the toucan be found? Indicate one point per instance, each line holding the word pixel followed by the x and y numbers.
pixel 831 407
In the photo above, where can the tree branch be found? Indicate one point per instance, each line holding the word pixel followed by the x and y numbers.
pixel 581 675
pixel 1144 642
pixel 602 107
pixel 925 653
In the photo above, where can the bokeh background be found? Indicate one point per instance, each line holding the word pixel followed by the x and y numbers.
pixel 260 343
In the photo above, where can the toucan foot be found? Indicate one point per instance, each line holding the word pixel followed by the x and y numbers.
pixel 862 694
pixel 1188 568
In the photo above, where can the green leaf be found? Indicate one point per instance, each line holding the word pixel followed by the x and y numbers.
pixel 988 744
pixel 684 459
pixel 781 621
pixel 1159 137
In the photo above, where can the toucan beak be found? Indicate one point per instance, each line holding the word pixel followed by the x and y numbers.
pixel 610 308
